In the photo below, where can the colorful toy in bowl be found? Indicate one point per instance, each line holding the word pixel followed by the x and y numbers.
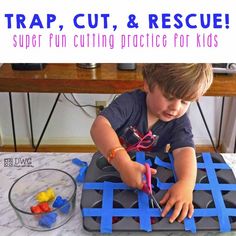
pixel 46 196
pixel 40 208
pixel 43 199
pixel 62 204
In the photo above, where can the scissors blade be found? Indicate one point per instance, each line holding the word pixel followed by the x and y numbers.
pixel 147 188
pixel 155 202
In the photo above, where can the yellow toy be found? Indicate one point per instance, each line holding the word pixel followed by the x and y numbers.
pixel 45 196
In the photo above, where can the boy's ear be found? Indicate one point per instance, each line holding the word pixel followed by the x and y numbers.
pixel 145 86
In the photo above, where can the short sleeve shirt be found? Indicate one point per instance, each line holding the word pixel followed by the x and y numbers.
pixel 130 109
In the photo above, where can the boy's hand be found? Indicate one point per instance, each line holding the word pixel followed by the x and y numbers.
pixel 132 174
pixel 179 196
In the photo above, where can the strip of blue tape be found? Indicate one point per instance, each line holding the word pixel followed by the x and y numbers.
pixel 107 206
pixel 189 224
pixel 145 212
pixel 127 212
pixel 163 186
pixel 224 222
pixel 144 218
pixel 100 185
pixel 222 166
pixel 161 163
pixel 143 201
pixel 83 168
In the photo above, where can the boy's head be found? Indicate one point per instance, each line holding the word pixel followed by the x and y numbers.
pixel 186 81
pixel 171 87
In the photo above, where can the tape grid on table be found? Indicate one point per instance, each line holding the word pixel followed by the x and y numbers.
pixel 145 212
pixel 214 186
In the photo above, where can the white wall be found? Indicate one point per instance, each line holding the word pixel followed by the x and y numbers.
pixel 69 125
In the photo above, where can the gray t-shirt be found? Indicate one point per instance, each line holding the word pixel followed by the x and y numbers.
pixel 130 110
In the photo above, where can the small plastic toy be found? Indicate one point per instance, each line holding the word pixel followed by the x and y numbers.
pixel 45 196
pixel 48 220
pixel 40 208
pixel 63 204
pixel 36 209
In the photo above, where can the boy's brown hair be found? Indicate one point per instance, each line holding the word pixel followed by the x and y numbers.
pixel 187 81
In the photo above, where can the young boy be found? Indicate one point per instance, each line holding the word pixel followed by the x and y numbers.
pixel 140 120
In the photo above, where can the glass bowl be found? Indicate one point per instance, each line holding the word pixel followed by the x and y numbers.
pixel 28 190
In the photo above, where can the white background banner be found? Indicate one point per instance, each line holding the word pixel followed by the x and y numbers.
pixel 104 31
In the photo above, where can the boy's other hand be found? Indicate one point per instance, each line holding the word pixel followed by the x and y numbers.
pixel 132 174
pixel 179 196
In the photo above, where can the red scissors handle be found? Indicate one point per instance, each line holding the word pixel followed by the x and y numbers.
pixel 147 187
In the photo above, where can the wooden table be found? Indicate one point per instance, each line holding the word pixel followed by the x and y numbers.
pixel 105 79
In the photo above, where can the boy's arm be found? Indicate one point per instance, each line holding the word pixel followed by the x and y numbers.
pixel 106 139
pixel 180 194
pixel 103 135
pixel 185 165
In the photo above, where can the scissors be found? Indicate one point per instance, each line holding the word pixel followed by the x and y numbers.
pixel 147 187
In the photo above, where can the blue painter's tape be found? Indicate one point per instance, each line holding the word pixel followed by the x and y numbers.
pixel 127 212
pixel 172 165
pixel 91 212
pixel 161 163
pixel 222 166
pixel 83 168
pixel 149 162
pixel 229 187
pixel 163 186
pixel 205 212
pixel 140 157
pixel 202 187
pixel 217 195
pixel 78 162
pixel 201 165
pixel 107 206
pixel 144 212
pixel 143 201
pixel 189 225
pixel 145 220
pixel 80 177
pixel 231 211
pixel 100 185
